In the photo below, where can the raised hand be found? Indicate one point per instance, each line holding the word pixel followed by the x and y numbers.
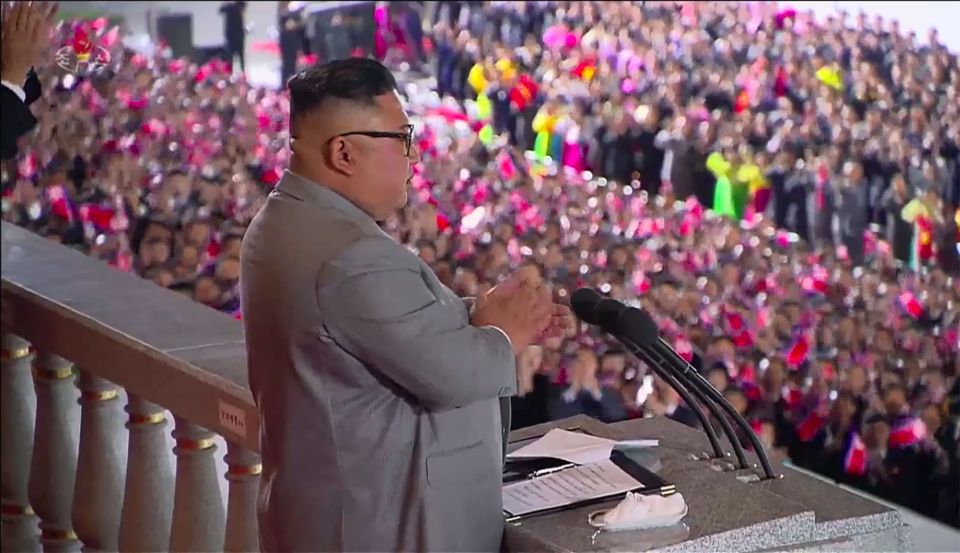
pixel 561 323
pixel 26 36
pixel 518 307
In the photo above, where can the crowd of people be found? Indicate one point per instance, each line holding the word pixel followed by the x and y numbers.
pixel 781 193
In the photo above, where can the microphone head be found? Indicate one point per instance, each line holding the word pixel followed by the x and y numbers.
pixel 639 326
pixel 608 313
pixel 584 302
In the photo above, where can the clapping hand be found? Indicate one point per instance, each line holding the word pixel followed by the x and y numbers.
pixel 26 36
pixel 561 323
pixel 520 307
pixel 561 320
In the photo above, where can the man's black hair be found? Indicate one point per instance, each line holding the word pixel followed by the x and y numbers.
pixel 894 386
pixel 613 351
pixel 734 389
pixel 232 235
pixel 720 367
pixel 541 270
pixel 359 80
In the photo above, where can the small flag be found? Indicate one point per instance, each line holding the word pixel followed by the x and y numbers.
pixel 855 461
pixel 443 223
pixel 798 352
pixel 523 93
pixel 809 427
pixel 640 283
pixel 792 397
pixel 909 303
pixel 684 348
pixel 60 204
pixel 908 433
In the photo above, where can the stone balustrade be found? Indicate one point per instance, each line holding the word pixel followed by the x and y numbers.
pixel 92 360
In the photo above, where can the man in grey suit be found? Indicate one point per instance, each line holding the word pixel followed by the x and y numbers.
pixel 378 388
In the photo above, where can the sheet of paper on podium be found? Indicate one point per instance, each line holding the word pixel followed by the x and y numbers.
pixel 575 447
pixel 567 487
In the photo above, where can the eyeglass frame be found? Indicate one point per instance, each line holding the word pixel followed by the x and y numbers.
pixel 407 136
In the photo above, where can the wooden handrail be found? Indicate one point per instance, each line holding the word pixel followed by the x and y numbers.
pixel 156 343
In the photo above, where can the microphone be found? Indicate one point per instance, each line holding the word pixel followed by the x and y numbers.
pixel 639 327
pixel 584 304
pixel 621 321
pixel 592 308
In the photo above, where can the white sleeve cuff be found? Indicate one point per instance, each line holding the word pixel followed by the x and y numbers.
pixel 17 89
pixel 505 335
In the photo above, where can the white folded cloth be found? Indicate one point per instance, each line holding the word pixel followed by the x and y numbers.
pixel 636 508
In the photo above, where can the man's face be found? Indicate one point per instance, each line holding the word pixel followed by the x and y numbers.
pixel 504 232
pixel 876 435
pixel 884 342
pixel 158 232
pixel 159 252
pixel 843 410
pixel 163 278
pixel 619 258
pixel 231 248
pixel 554 257
pixel 198 234
pixel 428 254
pixel 730 275
pixel 384 166
pixel 613 364
pixel 498 256
pixel 737 400
pixel 894 401
pixel 668 297
pixel 228 271
pixel 857 380
pixel 206 292
pixel 847 330
pixel 189 257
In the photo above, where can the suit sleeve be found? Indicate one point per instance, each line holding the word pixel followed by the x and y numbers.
pixel 17 121
pixel 377 306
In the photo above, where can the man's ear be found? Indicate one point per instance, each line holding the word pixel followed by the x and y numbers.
pixel 342 156
pixel 300 147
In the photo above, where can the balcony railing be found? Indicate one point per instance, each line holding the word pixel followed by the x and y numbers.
pixel 88 347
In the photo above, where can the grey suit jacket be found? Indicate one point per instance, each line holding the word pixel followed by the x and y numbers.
pixel 379 402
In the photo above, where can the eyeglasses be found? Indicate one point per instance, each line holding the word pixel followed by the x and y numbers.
pixel 406 136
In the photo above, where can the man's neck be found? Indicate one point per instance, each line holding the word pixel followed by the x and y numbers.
pixel 331 184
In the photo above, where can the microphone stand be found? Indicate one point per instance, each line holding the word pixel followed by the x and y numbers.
pixel 684 392
pixel 654 359
pixel 667 353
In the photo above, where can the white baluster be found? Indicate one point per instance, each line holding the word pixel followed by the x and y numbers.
pixel 98 496
pixel 18 405
pixel 198 518
pixel 148 495
pixel 54 462
pixel 243 473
